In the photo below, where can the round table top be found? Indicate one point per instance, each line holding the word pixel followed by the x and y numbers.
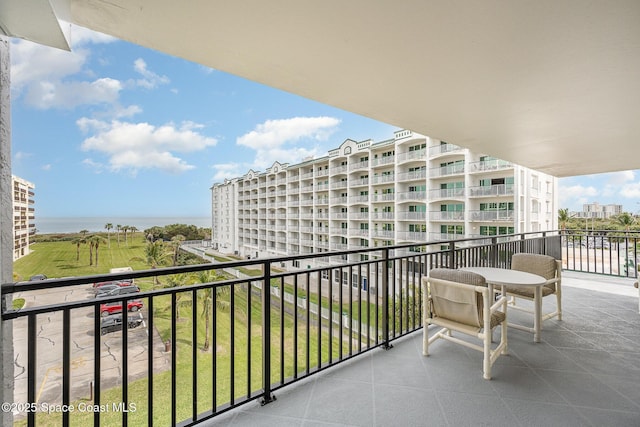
pixel 505 276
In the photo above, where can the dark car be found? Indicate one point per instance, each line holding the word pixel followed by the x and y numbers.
pixel 37 277
pixel 105 288
pixel 113 323
pixel 117 290
pixel 116 307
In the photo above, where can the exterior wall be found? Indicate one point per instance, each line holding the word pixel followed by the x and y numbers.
pixel 411 188
pixel 6 230
pixel 23 216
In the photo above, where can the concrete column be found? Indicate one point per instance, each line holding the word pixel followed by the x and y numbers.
pixel 6 227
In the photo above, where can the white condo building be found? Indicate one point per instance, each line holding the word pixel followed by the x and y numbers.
pixel 23 216
pixel 409 189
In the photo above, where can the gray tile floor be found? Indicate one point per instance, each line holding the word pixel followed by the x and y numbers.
pixel 585 372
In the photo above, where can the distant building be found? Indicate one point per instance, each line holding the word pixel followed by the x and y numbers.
pixel 411 188
pixel 596 210
pixel 23 216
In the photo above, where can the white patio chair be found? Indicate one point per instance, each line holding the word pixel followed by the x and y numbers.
pixel 461 302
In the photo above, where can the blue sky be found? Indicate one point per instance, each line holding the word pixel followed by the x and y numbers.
pixel 114 129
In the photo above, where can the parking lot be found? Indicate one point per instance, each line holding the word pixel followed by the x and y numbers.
pixel 49 349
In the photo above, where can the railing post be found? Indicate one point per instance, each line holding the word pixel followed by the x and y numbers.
pixel 267 397
pixel 493 252
pixel 385 300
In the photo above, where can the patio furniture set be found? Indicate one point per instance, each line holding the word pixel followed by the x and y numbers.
pixel 473 301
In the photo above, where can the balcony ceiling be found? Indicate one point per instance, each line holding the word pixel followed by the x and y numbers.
pixel 553 84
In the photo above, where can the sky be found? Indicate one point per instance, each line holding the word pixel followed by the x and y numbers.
pixel 112 129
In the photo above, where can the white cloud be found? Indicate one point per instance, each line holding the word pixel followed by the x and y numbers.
pixel 283 140
pixel 227 171
pixel 631 191
pixel 135 146
pixel 48 77
pixel 46 94
pixel 46 167
pixel 576 194
pixel 618 178
pixel 150 79
pixel 19 155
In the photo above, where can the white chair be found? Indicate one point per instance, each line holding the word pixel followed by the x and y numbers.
pixel 542 265
pixel 460 302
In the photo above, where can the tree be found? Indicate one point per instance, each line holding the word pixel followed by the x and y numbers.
pixel 94 243
pixel 78 241
pixel 84 232
pixel 125 228
pixel 563 218
pixel 155 255
pixel 176 241
pixel 133 230
pixel 206 295
pixel 118 229
pixel 108 226
pixel 177 280
pixel 626 220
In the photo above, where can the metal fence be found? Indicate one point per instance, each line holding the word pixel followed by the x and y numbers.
pixel 205 348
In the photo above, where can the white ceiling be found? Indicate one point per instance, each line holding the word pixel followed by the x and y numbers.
pixel 550 84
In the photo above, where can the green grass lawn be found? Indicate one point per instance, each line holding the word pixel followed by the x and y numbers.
pixel 58 259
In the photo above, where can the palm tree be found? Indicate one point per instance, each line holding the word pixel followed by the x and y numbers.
pixel 78 241
pixel 206 295
pixel 133 230
pixel 84 232
pixel 626 220
pixel 125 228
pixel 118 228
pixel 108 226
pixel 94 243
pixel 563 218
pixel 155 255
pixel 176 241
pixel 177 280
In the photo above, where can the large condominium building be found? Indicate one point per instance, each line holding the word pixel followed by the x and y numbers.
pixel 23 216
pixel 411 188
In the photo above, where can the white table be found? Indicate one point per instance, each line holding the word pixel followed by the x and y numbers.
pixel 503 277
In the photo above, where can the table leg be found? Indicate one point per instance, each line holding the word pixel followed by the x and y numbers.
pixel 537 316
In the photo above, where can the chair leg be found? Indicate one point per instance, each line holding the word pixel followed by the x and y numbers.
pixel 486 361
pixel 425 340
pixel 559 302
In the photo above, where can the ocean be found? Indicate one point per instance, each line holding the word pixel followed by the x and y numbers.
pixel 95 224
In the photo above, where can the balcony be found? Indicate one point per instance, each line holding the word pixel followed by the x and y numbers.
pixel 491 190
pixel 562 380
pixel 489 165
pixel 503 215
pixel 585 369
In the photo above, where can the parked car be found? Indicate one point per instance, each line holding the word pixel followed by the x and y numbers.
pixel 116 307
pixel 113 290
pixel 113 323
pixel 113 282
pixel 37 277
pixel 105 288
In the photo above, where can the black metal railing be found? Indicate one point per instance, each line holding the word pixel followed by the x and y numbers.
pixel 263 325
pixel 610 252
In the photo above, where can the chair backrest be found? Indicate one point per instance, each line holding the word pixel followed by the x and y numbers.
pixel 456 303
pixel 542 265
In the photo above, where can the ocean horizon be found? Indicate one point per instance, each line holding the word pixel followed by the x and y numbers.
pixel 49 225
